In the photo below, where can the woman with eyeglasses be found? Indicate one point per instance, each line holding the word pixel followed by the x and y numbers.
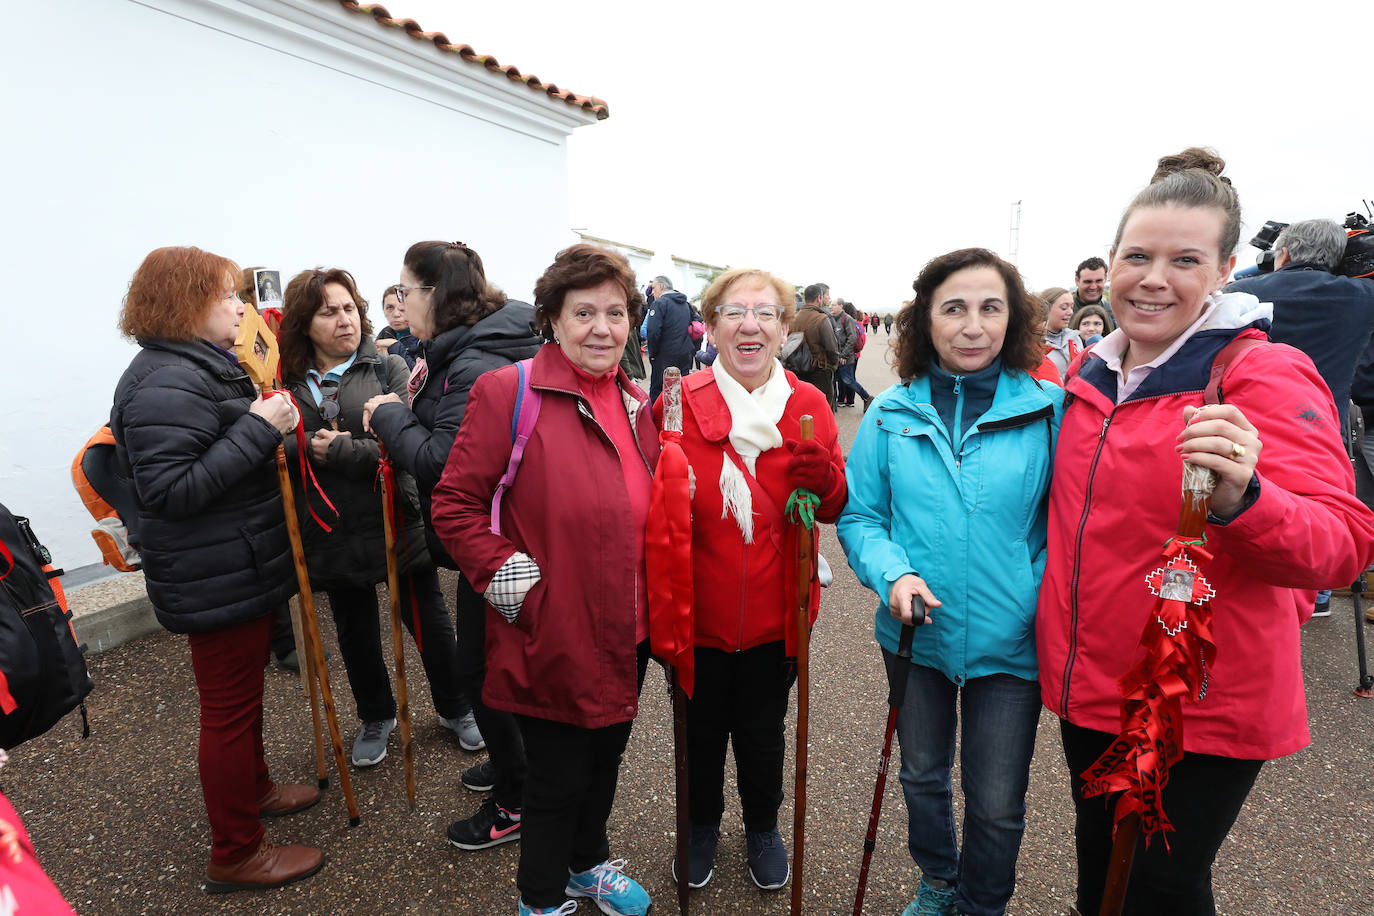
pixel 563 572
pixel 468 327
pixel 331 367
pixel 396 338
pixel 741 431
pixel 198 441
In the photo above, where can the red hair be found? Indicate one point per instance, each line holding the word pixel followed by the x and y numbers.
pixel 172 291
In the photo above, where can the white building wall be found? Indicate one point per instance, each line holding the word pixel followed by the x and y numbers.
pixel 287 133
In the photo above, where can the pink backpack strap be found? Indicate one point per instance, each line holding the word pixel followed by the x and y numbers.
pixel 521 428
pixel 1231 353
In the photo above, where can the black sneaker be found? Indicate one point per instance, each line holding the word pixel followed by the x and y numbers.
pixel 701 855
pixel 491 826
pixel 768 864
pixel 1321 609
pixel 480 778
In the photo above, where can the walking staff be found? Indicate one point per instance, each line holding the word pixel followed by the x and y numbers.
pixel 386 473
pixel 801 509
pixel 669 562
pixel 256 349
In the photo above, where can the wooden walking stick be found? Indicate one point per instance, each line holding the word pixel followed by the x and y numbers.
pixel 393 587
pixel 256 349
pixel 669 561
pixel 1179 651
pixel 307 671
pixel 806 571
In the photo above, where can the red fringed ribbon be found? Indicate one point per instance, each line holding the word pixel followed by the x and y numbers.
pixel 668 556
pixel 307 473
pixel 1178 652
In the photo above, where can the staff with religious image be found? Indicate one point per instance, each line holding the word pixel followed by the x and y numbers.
pixel 198 440
pixel 948 484
pixel 1171 652
pixel 567 441
pixel 741 433
pixel 331 368
pixel 468 327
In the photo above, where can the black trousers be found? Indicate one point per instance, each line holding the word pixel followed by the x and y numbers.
pixel 283 636
pixel 505 748
pixel 824 380
pixel 1203 798
pixel 739 698
pixel 357 621
pixel 568 799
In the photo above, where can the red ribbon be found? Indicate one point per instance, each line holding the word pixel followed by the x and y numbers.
pixel 307 473
pixel 668 557
pixel 1178 651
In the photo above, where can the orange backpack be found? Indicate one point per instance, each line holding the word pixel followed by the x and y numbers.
pixel 97 459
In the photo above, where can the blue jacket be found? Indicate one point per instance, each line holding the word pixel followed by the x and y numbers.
pixel 969 517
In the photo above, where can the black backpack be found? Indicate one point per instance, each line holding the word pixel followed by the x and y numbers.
pixel 43 672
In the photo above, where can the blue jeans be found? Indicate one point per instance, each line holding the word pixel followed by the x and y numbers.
pixel 1000 713
pixel 845 374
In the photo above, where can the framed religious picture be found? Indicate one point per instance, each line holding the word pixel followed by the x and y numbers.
pixel 267 288
pixel 256 348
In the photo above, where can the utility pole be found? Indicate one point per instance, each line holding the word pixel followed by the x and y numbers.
pixel 1014 240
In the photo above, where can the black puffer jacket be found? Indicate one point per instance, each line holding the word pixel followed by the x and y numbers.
pixel 211 529
pixel 353 551
pixel 420 439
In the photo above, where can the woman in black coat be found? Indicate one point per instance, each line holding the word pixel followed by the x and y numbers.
pixel 468 327
pixel 332 367
pixel 198 441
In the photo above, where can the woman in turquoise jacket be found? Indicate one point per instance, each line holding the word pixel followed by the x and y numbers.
pixel 948 480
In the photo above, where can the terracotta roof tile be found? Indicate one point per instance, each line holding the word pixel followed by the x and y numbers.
pixel 412 28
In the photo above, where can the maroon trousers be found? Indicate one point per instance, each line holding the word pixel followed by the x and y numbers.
pixel 229 667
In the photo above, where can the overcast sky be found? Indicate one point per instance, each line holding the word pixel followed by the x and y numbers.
pixel 849 142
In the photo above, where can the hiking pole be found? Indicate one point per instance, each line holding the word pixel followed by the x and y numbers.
pixel 388 478
pixel 1365 687
pixel 896 690
pixel 806 566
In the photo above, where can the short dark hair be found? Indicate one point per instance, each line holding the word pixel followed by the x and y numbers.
pixel 583 266
pixel 1092 308
pixel 304 297
pixel 1093 263
pixel 915 350
pixel 815 291
pixel 462 295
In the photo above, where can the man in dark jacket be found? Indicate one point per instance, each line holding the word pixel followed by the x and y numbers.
pixel 668 335
pixel 1329 318
pixel 813 321
pixel 847 337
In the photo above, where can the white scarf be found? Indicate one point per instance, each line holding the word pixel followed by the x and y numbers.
pixel 754 417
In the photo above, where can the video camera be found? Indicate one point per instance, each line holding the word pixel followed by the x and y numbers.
pixel 1359 245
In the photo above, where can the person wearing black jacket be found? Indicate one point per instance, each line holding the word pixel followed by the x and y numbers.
pixel 198 441
pixel 331 367
pixel 468 328
pixel 668 334
pixel 395 339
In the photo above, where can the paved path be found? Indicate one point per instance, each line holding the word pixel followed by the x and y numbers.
pixel 120 826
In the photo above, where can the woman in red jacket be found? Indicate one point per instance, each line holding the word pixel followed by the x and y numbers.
pixel 740 431
pixel 563 573
pixel 1284 521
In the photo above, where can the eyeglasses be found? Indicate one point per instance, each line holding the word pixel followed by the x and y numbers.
pixel 329 399
pixel 763 314
pixel 403 291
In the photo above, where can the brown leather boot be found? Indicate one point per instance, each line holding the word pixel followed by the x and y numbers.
pixel 270 866
pixel 287 800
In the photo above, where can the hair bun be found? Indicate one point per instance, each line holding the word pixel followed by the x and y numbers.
pixel 1194 157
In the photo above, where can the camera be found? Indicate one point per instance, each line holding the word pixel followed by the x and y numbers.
pixel 1359 245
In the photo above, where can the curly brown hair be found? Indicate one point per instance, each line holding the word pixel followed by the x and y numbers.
pixel 304 297
pixel 172 292
pixel 462 295
pixel 915 350
pixel 583 266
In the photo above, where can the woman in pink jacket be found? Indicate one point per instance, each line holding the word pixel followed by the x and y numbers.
pixel 1284 521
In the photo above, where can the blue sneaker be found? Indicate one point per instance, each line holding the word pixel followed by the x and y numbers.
pixel 564 909
pixel 610 889
pixel 933 898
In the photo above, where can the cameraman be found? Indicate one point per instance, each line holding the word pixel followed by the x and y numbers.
pixel 1328 317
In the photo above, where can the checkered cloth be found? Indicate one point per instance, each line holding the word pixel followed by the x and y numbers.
pixel 511 584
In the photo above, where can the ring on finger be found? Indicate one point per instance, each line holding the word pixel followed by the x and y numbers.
pixel 1237 451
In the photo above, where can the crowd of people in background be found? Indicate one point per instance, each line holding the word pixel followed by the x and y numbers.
pixel 975 502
